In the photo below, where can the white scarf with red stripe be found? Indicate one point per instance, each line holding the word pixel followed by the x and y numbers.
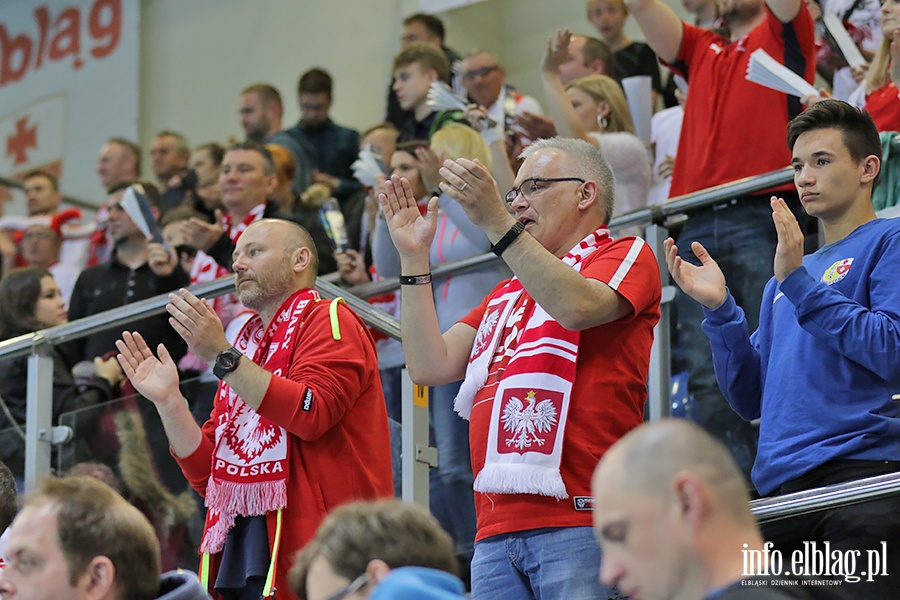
pixel 250 460
pixel 531 405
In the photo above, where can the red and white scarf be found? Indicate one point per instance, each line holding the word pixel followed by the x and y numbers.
pixel 250 460
pixel 531 405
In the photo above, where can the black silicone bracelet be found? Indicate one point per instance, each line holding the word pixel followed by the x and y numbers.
pixel 415 279
pixel 508 238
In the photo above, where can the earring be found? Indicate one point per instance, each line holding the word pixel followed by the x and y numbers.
pixel 603 122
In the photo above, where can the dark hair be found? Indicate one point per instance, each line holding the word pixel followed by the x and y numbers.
pixel 150 190
pixel 8 497
pixel 857 129
pixel 409 146
pixel 19 293
pixel 216 151
pixel 315 81
pixel 54 182
pixel 267 92
pixel 434 25
pixel 268 160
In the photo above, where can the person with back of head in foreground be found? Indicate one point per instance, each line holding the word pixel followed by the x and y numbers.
pixel 821 371
pixel 299 424
pixel 672 515
pixel 77 539
pixel 385 549
pixel 554 362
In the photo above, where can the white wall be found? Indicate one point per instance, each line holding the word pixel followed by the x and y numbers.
pixel 196 55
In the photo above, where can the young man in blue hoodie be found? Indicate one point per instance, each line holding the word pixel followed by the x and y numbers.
pixel 823 369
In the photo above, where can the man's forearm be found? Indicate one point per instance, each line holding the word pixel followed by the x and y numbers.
pixel 182 431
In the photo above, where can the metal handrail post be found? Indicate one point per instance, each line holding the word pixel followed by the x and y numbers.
pixel 416 457
pixel 38 415
pixel 659 387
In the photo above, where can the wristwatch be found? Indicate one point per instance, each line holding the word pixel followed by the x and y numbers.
pixel 226 362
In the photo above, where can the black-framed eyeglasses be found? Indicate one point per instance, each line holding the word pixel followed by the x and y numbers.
pixel 354 586
pixel 530 187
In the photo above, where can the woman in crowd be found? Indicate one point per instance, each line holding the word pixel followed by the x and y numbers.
pixel 594 108
pixel 883 77
pixel 30 300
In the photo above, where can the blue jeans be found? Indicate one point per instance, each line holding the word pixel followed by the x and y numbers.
pixel 741 238
pixel 545 564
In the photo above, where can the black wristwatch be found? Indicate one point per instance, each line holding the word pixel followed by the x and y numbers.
pixel 226 362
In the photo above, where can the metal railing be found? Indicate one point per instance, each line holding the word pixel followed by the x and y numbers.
pixel 417 455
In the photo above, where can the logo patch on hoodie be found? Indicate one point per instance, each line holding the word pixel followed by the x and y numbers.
pixel 837 271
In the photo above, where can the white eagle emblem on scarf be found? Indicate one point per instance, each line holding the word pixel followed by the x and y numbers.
pixel 525 422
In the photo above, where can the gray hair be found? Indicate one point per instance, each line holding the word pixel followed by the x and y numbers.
pixel 587 163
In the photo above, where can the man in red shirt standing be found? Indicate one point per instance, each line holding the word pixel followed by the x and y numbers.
pixel 554 362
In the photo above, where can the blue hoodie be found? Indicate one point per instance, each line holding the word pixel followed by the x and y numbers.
pixel 418 583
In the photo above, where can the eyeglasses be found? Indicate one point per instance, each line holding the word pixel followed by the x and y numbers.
pixel 482 72
pixel 530 187
pixel 354 586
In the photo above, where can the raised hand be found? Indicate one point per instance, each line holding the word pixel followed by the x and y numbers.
pixel 202 235
pixel 411 232
pixel 470 183
pixel 198 324
pixel 557 51
pixel 789 251
pixel 704 283
pixel 536 127
pixel 155 378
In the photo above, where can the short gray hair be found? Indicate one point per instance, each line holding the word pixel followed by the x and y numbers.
pixel 588 163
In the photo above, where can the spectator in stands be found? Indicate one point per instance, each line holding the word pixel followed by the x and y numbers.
pixel 170 154
pixel 332 148
pixel 119 163
pixel 41 247
pixel 719 144
pixel 485 81
pixel 78 538
pixel 138 269
pixel 671 513
pixel 828 334
pixel 41 193
pixel 360 544
pixel 587 56
pixel 415 69
pixel 419 28
pixel 360 210
pixel 304 209
pixel 206 161
pixel 316 399
pixel 631 58
pixel 882 99
pixel 8 507
pixel 594 109
pixel 536 425
pixel 261 110
pixel 30 300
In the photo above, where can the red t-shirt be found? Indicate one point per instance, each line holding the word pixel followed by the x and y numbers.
pixel 884 107
pixel 734 128
pixel 608 395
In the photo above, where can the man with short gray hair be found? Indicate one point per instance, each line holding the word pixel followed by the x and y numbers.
pixel 554 362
